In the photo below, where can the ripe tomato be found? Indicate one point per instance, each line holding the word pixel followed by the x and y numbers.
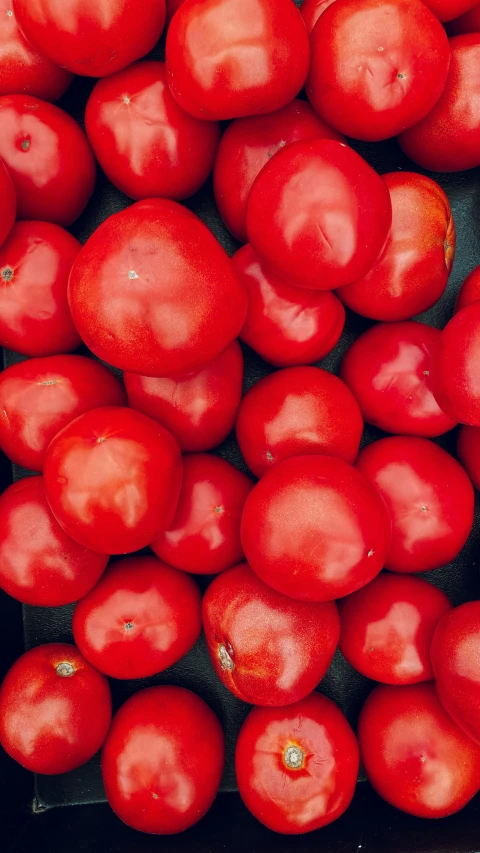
pixel 266 648
pixel 55 709
pixel 387 628
pixel 39 397
pixel 469 22
pixel 8 203
pixel 297 766
pixel 455 365
pixel 163 759
pixel 231 58
pixel 429 497
pixel 446 10
pixel 469 291
pixel 143 139
pixel 153 292
pixel 414 755
pixel 313 528
pixel 311 11
pixel 245 148
pixel 388 370
pixel 141 618
pixel 112 479
pixel 318 214
pixel 468 449
pixel 297 411
pixel 204 536
pixel 89 38
pixel 39 563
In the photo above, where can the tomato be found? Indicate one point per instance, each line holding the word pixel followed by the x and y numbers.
pixel 286 325
pixel 8 203
pixel 153 292
pixel 455 364
pixel 469 22
pixel 163 759
pixel 468 449
pixel 141 618
pixel 469 291
pixel 388 370
pixel 143 140
pixel 429 497
pixel 266 648
pixel 232 58
pixel 172 6
pixel 112 479
pixel 311 11
pixel 39 563
pixel 387 628
pixel 445 10
pixel 55 709
pixel 414 755
pixel 297 766
pixel 89 38
pixel 318 214
pixel 448 138
pixel 296 411
pixel 40 396
pixel 245 148
pixel 313 528
pixel 204 536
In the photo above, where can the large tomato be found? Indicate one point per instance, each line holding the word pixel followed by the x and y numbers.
pixel 311 11
pixel 8 203
pixel 469 291
pixel 468 448
pixel 153 292
pixel 455 365
pixel 469 22
pixel 446 10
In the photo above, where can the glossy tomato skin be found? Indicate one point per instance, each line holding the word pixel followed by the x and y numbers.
pixel 387 369
pixel 298 411
pixel 153 292
pixel 318 214
pixel 232 58
pixel 163 759
pixel 414 755
pixel 141 618
pixel 204 536
pixel 317 791
pixel 40 396
pixel 314 529
pixel 145 143
pixel 8 203
pixel 446 10
pixel 455 364
pixel 469 291
pixel 468 449
pixel 311 11
pixel 55 709
pixel 469 22
pixel 429 497
pixel 388 625
pixel 112 479
pixel 198 409
pixel 267 648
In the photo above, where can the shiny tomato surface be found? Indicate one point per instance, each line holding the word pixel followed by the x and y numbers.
pixel 455 366
pixel 446 10
pixel 8 203
pixel 469 291
pixel 469 22
pixel 311 11
pixel 468 449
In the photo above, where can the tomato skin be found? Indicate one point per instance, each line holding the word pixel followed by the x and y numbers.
pixel 468 449
pixel 388 625
pixel 455 364
pixel 414 755
pixel 318 214
pixel 40 396
pixel 469 291
pixel 51 723
pixel 311 10
pixel 429 497
pixel 446 10
pixel 112 479
pixel 8 203
pixel 297 801
pixel 469 22
pixel 163 759
pixel 387 369
pixel 298 411
pixel 204 536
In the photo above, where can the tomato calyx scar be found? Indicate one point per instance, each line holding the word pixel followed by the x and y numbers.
pixel 294 757
pixel 7 273
pixel 226 661
pixel 65 669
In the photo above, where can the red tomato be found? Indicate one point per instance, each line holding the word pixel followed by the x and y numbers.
pixel 245 148
pixel 48 157
pixel 286 325
pixel 153 292
pixel 112 479
pixel 40 396
pixel 55 709
pixel 412 273
pixel 8 203
pixel 204 536
pixel 469 291
pixel 388 370
pixel 297 411
pixel 469 22
pixel 387 628
pixel 266 648
pixel 445 10
pixel 311 11
pixel 172 6
pixel 414 755
pixel 145 143
pixel 39 563
pixel 429 497
pixel 297 766
pixel 455 366
pixel 90 38
pixel 313 528
pixel 141 618
pixel 318 214
pixel 468 449
pixel 231 58
pixel 163 759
